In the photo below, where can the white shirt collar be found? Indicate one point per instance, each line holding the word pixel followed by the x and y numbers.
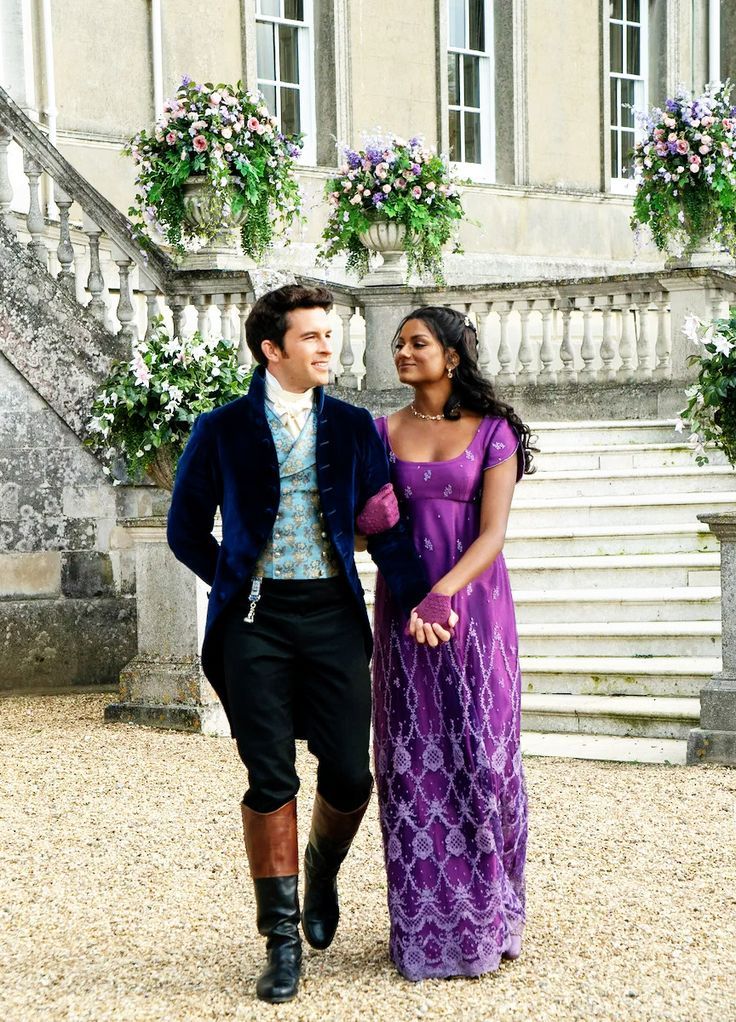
pixel 276 394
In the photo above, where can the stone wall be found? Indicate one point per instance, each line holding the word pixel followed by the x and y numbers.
pixel 66 600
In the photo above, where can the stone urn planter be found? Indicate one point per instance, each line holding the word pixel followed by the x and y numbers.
pixel 387 238
pixel 706 254
pixel 223 252
pixel 163 468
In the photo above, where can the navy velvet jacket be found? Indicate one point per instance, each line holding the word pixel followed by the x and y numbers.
pixel 230 462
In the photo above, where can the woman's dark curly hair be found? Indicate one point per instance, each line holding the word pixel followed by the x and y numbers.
pixel 470 389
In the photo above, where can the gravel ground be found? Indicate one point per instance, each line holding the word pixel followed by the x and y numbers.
pixel 124 893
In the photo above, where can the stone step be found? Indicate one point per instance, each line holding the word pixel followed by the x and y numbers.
pixel 625 716
pixel 620 482
pixel 619 456
pixel 619 676
pixel 610 539
pixel 572 434
pixel 606 748
pixel 686 603
pixel 611 570
pixel 621 638
pixel 627 510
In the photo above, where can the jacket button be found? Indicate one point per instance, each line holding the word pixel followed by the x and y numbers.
pixel 324 535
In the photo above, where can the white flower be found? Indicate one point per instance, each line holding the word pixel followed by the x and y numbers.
pixel 690 328
pixel 722 344
pixel 679 425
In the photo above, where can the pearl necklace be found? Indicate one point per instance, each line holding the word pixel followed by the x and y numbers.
pixel 428 418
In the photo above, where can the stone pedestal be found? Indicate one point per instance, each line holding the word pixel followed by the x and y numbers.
pixel 715 740
pixel 163 686
pixel 383 311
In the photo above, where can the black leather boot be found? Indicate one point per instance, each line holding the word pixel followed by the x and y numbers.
pixel 330 838
pixel 271 844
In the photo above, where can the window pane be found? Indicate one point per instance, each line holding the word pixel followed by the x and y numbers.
pixel 265 58
pixel 472 138
pixel 633 35
pixel 628 99
pixel 457 23
pixel 616 9
pixel 472 81
pixel 294 9
pixel 271 7
pixel 290 118
pixel 627 153
pixel 455 140
pixel 269 95
pixel 477 25
pixel 632 10
pixel 453 79
pixel 288 54
pixel 615 166
pixel 614 101
pixel 617 47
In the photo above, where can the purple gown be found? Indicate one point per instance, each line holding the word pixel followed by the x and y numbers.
pixel 446 722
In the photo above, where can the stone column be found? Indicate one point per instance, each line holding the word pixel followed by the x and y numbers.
pixel 715 740
pixel 163 686
pixel 689 296
pixel 383 310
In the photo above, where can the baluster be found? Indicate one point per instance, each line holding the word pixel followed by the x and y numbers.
pixel 125 311
pixel 224 304
pixel 348 378
pixel 627 350
pixel 663 369
pixel 244 355
pixel 201 304
pixel 6 187
pixel 95 280
pixel 526 352
pixel 567 356
pixel 506 372
pixel 178 304
pixel 715 299
pixel 153 311
pixel 608 346
pixel 587 349
pixel 547 351
pixel 482 313
pixel 643 341
pixel 65 249
pixel 34 219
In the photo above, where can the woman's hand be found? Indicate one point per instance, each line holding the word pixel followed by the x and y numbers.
pixel 432 634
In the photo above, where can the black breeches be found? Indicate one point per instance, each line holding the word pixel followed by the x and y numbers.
pixel 300 670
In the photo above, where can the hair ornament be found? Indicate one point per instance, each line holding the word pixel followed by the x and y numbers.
pixel 467 321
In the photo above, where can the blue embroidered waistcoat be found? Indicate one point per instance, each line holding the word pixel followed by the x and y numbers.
pixel 299 545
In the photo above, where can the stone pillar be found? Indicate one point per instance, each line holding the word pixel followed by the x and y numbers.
pixel 715 740
pixel 382 312
pixel 689 295
pixel 163 686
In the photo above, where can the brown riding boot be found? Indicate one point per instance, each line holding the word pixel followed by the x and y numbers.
pixel 271 846
pixel 330 838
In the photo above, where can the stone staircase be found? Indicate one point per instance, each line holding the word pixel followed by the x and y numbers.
pixel 617 589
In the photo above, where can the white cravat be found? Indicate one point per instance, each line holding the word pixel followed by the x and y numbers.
pixel 292 409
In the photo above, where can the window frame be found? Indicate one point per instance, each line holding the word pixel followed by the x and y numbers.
pixel 485 171
pixel 306 86
pixel 618 184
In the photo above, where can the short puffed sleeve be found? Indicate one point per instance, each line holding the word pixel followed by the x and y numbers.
pixel 502 443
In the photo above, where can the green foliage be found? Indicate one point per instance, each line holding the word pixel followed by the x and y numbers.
pixel 710 415
pixel 391 179
pixel 152 401
pixel 686 174
pixel 228 136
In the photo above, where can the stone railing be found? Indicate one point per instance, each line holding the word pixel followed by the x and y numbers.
pixel 548 335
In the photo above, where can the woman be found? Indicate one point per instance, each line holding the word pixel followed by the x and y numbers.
pixel 446 715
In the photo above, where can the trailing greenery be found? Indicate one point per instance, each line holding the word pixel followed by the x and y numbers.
pixel 686 174
pixel 391 179
pixel 710 415
pixel 228 136
pixel 151 402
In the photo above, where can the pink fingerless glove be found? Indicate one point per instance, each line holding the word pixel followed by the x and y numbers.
pixel 435 609
pixel 381 512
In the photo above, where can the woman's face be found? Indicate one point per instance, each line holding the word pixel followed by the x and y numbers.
pixel 418 355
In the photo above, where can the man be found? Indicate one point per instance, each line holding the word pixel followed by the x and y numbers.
pixel 288 640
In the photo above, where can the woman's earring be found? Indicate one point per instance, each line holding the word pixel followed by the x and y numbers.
pixel 449 372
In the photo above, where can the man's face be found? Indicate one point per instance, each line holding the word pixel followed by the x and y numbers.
pixel 304 361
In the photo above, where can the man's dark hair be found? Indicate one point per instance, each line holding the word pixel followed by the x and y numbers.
pixel 268 319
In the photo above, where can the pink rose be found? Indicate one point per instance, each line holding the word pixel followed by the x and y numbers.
pixel 416 192
pixel 171 137
pixel 658 133
pixel 661 148
pixel 683 146
pixel 252 124
pixel 727 123
pixel 200 143
pixel 386 189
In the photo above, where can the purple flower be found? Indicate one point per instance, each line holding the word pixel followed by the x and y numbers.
pixel 374 155
pixel 185 80
pixel 352 159
pixel 415 168
pixel 378 198
pixel 672 106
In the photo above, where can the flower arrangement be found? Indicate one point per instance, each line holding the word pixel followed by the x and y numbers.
pixel 686 172
pixel 145 410
pixel 710 415
pixel 392 179
pixel 227 136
